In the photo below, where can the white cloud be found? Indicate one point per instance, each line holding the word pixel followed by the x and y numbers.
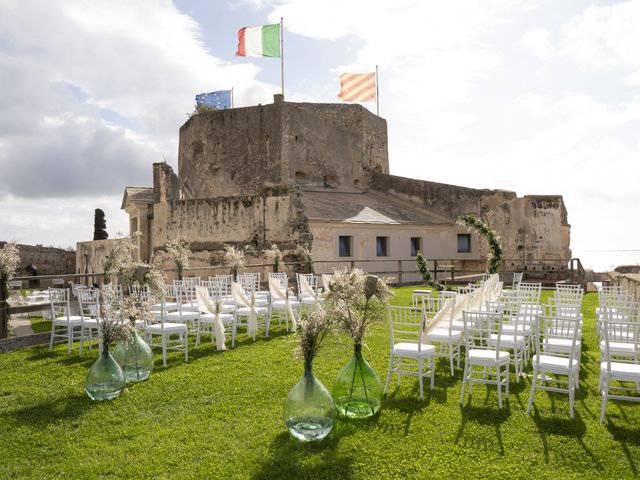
pixel 537 41
pixel 603 37
pixel 67 66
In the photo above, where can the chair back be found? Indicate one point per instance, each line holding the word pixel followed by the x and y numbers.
pixel 89 302
pixel 558 328
pixel 625 336
pixel 418 295
pixel 483 331
pixel 59 301
pixel 282 278
pixel 312 281
pixel 250 282
pixel 517 278
pixel 406 325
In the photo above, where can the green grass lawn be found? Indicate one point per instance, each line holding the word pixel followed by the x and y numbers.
pixel 220 416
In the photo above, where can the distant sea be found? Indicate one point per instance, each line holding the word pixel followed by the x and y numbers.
pixel 606 260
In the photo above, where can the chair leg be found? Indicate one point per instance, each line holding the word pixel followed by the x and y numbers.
pixel 420 368
pixel 572 392
pixel 507 381
pixel 451 357
pixel 69 338
pixel 186 348
pixel 164 349
pixel 234 329
pixel 464 381
pixel 533 388
pixel 386 387
pixel 81 340
pixel 605 395
pixel 433 371
pixel 499 382
pixel 53 329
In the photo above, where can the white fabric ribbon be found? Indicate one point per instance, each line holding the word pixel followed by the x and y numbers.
pixel 440 318
pixel 306 288
pixel 205 304
pixel 275 288
pixel 326 280
pixel 238 295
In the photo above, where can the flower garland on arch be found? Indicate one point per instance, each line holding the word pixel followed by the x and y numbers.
pixel 494 261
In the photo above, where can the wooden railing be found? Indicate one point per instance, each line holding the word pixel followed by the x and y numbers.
pixel 403 271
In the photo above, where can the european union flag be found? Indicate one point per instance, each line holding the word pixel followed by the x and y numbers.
pixel 217 100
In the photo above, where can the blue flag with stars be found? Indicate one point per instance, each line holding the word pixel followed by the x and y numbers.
pixel 217 100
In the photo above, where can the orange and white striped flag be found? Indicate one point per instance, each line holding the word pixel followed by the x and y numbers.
pixel 357 87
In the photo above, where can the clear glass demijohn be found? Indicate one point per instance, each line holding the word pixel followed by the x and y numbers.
pixel 135 358
pixel 309 411
pixel 357 391
pixel 105 380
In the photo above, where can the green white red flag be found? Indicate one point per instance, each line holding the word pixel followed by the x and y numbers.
pixel 262 41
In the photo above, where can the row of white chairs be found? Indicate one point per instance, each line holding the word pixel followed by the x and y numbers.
pixel 490 335
pixel 617 328
pixel 181 312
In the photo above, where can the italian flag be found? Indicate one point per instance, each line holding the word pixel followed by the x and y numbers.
pixel 262 41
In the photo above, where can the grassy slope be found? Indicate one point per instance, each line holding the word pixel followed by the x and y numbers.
pixel 220 416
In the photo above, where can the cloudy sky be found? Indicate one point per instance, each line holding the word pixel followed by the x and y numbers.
pixel 536 96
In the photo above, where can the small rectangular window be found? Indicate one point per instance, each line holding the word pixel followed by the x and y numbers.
pixel 416 246
pixel 382 246
pixel 464 242
pixel 344 245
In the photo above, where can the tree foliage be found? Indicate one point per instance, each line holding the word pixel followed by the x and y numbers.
pixel 423 269
pixel 494 261
pixel 99 225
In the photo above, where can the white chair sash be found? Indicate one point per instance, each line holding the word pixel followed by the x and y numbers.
pixel 238 295
pixel 326 280
pixel 440 316
pixel 275 288
pixel 306 289
pixel 205 304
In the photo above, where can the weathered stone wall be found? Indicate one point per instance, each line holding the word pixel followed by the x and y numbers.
pixel 273 215
pixel 534 229
pixel 330 145
pixel 629 281
pixel 48 260
pixel 243 150
pixel 91 257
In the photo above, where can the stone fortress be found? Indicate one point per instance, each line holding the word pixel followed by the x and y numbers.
pixel 318 174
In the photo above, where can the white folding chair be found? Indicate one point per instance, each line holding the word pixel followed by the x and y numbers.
pixel 441 332
pixel 187 312
pixel 63 324
pixel 168 336
pixel 242 314
pixel 619 362
pixel 207 321
pixel 280 303
pixel 408 355
pixel 89 306
pixel 557 345
pixel 484 355
pixel 517 278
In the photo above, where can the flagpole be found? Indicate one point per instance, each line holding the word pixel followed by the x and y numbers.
pixel 282 55
pixel 231 97
pixel 377 94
